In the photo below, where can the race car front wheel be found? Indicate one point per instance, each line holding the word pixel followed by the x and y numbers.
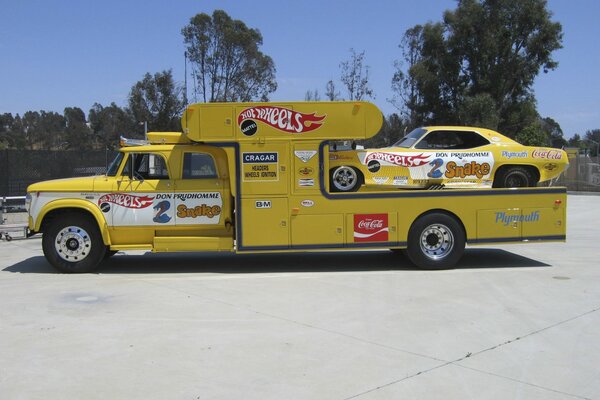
pixel 344 179
pixel 435 241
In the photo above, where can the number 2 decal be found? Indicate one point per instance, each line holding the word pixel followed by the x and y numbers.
pixel 161 208
pixel 435 172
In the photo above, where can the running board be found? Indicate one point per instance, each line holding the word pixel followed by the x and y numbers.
pixel 192 243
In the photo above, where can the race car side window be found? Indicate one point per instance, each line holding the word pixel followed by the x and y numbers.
pixel 452 140
pixel 199 166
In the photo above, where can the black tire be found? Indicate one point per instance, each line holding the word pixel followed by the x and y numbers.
pixel 513 177
pixel 344 179
pixel 435 241
pixel 72 243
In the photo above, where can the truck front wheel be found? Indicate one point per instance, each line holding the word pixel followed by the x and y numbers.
pixel 435 241
pixel 72 243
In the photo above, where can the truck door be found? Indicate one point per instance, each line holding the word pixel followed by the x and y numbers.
pixel 143 193
pixel 202 196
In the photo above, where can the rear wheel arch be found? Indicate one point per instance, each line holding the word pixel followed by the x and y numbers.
pixel 503 169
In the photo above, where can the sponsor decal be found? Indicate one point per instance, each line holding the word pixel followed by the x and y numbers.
pixel 436 165
pixel 464 154
pixel 105 207
pixel 371 228
pixel 380 180
pixel 514 154
pixel 126 200
pixel 251 158
pixel 471 169
pixel 280 118
pixel 306 171
pixel 547 154
pixel 307 203
pixel 550 166
pixel 374 166
pixel 203 210
pixel 305 155
pixel 249 127
pixel 263 204
pixel 400 180
pixel 402 160
pixel 190 196
pixel 161 208
pixel 306 182
pixel 260 166
pixel 506 219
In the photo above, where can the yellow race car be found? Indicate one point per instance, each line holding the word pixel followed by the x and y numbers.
pixel 446 156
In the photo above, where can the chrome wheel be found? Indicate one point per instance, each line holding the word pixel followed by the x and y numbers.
pixel 73 244
pixel 437 241
pixel 344 179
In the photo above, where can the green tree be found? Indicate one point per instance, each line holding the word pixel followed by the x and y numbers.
pixel 109 123
pixel 593 139
pixel 392 129
pixel 533 135
pixel 554 132
pixel 158 101
pixel 481 59
pixel 331 92
pixel 226 60
pixel 355 76
pixel 77 135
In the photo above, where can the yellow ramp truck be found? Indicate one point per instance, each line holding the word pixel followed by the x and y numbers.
pixel 254 177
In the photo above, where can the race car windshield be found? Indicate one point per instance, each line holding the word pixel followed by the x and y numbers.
pixel 410 139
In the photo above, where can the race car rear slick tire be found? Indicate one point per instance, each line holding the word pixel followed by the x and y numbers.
pixel 72 243
pixel 344 179
pixel 514 177
pixel 435 241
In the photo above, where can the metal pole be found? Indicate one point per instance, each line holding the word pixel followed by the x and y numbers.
pixel 185 98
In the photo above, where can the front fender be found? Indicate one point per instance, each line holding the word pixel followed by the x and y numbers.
pixel 74 204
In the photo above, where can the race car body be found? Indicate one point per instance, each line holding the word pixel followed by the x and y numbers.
pixel 444 156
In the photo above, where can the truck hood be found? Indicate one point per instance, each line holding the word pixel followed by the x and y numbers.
pixel 84 184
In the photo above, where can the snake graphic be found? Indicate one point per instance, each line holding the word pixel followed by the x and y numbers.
pixel 161 208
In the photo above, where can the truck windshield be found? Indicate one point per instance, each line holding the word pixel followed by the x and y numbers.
pixel 410 139
pixel 114 165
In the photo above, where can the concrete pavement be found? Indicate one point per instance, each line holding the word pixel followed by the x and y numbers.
pixel 511 322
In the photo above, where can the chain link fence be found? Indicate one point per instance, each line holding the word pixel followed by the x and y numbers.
pixel 20 168
pixel 583 173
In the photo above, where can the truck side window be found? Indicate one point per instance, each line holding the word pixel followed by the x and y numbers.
pixel 147 166
pixel 198 166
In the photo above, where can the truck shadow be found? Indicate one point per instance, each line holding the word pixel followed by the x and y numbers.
pixel 279 263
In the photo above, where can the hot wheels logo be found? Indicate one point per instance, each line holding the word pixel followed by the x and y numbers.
pixel 402 160
pixel 126 200
pixel 282 119
pixel 371 227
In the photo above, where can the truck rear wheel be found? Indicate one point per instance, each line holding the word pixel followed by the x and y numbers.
pixel 435 241
pixel 72 243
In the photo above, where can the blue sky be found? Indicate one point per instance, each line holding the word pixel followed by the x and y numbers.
pixel 57 54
